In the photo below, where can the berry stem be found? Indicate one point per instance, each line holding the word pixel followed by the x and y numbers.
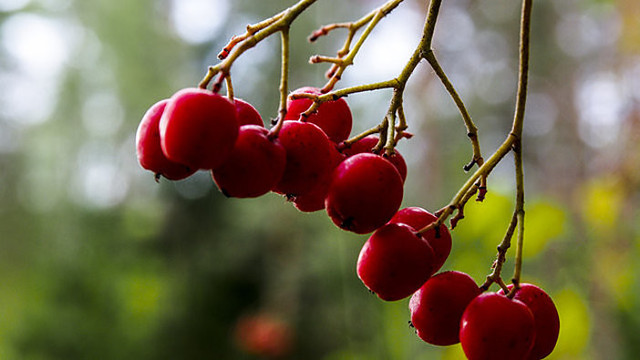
pixel 284 75
pixel 519 211
pixel 284 84
pixel 484 170
pixel 472 130
pixel 515 144
pixel 402 123
pixel 334 95
pixel 398 83
pixel 518 123
pixel 251 29
pixel 229 87
pixel 390 142
pixel 374 130
pixel 254 35
pixel 513 140
pixel 346 54
pixel 347 60
pixel 495 276
pixel 396 102
pixel 516 223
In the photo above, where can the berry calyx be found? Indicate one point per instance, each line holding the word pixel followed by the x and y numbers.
pixel 333 117
pixel 496 327
pixel 198 128
pixel 254 166
pixel 365 192
pixel 394 262
pixel 437 307
pixel 149 151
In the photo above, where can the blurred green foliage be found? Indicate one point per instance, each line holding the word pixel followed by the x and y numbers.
pixel 97 261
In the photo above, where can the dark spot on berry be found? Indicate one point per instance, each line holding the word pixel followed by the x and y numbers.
pixel 347 223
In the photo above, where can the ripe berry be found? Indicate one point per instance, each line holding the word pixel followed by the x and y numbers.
pixel 365 192
pixel 314 199
pixel 150 154
pixel 495 327
pixel 439 240
pixel 254 166
pixel 366 145
pixel 333 117
pixel 436 308
pixel 247 114
pixel 308 157
pixel 545 316
pixel 394 262
pixel 264 335
pixel 198 128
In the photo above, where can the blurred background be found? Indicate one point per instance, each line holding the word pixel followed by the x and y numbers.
pixel 98 261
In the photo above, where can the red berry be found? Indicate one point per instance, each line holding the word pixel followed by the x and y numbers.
pixel 264 335
pixel 436 308
pixel 150 155
pixel 254 166
pixel 247 114
pixel 546 319
pixel 394 262
pixel 439 240
pixel 198 128
pixel 314 199
pixel 333 117
pixel 308 157
pixel 495 327
pixel 366 145
pixel 365 192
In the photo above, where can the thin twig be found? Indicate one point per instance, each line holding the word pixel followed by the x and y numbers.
pixel 284 83
pixel 255 34
pixel 525 30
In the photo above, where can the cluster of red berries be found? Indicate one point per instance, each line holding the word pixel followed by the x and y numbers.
pixel 450 308
pixel 308 161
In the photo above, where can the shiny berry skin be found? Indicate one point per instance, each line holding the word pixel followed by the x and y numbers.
pixel 545 316
pixel 254 166
pixel 198 128
pixel 418 218
pixel 308 157
pixel 150 155
pixel 366 144
pixel 436 308
pixel 333 117
pixel 394 262
pixel 495 327
pixel 314 199
pixel 365 192
pixel 247 114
